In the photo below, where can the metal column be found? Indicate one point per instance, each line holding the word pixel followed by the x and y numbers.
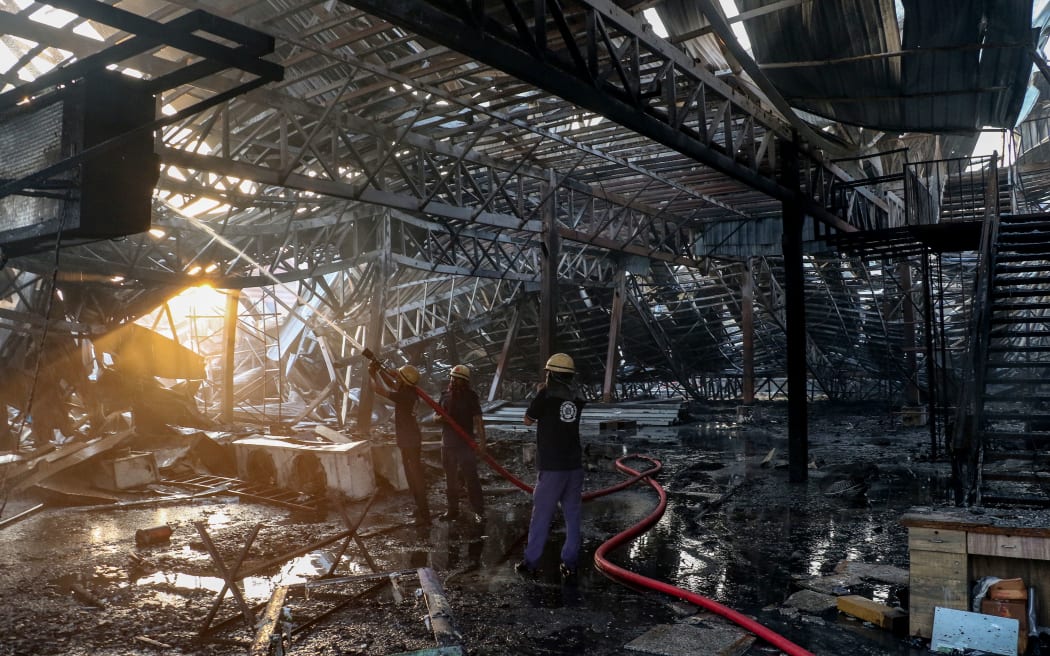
pixel 233 298
pixel 612 352
pixel 374 338
pixel 794 288
pixel 747 327
pixel 549 282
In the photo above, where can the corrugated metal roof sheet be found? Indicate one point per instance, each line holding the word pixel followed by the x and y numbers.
pixel 948 70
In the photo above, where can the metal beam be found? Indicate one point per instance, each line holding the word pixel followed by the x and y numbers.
pixel 504 357
pixel 612 350
pixel 794 284
pixel 619 92
pixel 747 329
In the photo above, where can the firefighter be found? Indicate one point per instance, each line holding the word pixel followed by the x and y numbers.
pixel 461 402
pixel 406 430
pixel 555 411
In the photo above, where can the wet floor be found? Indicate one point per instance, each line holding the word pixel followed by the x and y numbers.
pixel 734 531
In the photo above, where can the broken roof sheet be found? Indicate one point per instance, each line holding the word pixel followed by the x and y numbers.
pixel 928 70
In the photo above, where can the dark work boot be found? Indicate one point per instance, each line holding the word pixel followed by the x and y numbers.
pixel 523 570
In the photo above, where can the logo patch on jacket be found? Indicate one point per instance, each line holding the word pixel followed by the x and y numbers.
pixel 567 411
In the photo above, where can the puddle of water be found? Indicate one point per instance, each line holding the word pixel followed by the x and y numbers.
pixel 767 532
pixel 256 588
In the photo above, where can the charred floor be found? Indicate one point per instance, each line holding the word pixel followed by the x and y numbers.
pixel 77 582
pixel 779 264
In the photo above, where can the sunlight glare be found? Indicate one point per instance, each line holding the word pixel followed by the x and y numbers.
pixel 201 300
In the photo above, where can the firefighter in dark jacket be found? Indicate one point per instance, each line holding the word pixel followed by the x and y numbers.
pixel 401 391
pixel 461 465
pixel 559 462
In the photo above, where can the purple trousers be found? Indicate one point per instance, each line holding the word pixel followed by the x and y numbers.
pixel 554 487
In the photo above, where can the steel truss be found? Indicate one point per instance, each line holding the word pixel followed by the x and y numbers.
pixel 386 167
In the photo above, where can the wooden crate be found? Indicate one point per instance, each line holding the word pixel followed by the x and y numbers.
pixel 937 579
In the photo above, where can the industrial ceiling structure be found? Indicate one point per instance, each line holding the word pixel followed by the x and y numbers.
pixel 485 183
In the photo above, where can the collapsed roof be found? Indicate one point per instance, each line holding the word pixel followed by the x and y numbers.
pixel 393 192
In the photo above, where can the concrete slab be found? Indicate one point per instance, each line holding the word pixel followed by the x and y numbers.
pixel 699 639
pixel 386 458
pixel 849 574
pixel 831 585
pixel 873 572
pixel 812 602
pixel 345 468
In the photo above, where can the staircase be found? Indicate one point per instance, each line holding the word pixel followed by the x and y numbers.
pixel 1014 412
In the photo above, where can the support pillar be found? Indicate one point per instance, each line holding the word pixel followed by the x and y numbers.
pixel 908 319
pixel 612 351
pixel 747 327
pixel 549 276
pixel 374 338
pixel 229 353
pixel 794 291
pixel 504 357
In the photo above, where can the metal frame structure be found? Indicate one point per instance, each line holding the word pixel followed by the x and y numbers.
pixel 447 181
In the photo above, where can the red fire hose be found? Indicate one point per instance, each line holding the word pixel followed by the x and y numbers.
pixel 615 571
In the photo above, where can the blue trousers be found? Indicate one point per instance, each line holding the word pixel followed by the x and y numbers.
pixel 554 487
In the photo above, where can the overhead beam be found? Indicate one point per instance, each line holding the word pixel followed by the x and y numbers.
pixel 406 203
pixel 489 40
pixel 742 16
pixel 725 34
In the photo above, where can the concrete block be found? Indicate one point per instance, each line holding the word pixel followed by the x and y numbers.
pixel 311 468
pixel 699 639
pixel 386 459
pixel 127 471
pixel 811 602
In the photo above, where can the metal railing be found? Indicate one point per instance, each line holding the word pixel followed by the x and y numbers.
pixel 966 447
pixel 950 190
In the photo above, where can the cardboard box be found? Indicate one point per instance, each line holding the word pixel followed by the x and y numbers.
pixel 1009 589
pixel 1015 609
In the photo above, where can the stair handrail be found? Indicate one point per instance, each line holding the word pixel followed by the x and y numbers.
pixel 969 419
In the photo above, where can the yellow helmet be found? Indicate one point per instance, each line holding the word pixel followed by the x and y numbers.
pixel 461 371
pixel 408 374
pixel 560 363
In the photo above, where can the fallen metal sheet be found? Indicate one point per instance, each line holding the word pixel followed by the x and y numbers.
pixel 702 639
pixel 339 580
pixel 144 352
pixel 70 491
pixel 960 630
pixel 156 501
pixel 68 456
pixel 454 650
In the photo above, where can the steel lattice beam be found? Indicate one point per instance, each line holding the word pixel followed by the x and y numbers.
pixel 602 58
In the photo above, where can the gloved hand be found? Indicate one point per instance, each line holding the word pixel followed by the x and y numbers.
pixel 373 368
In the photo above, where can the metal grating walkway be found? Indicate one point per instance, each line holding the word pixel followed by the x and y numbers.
pixel 255 492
